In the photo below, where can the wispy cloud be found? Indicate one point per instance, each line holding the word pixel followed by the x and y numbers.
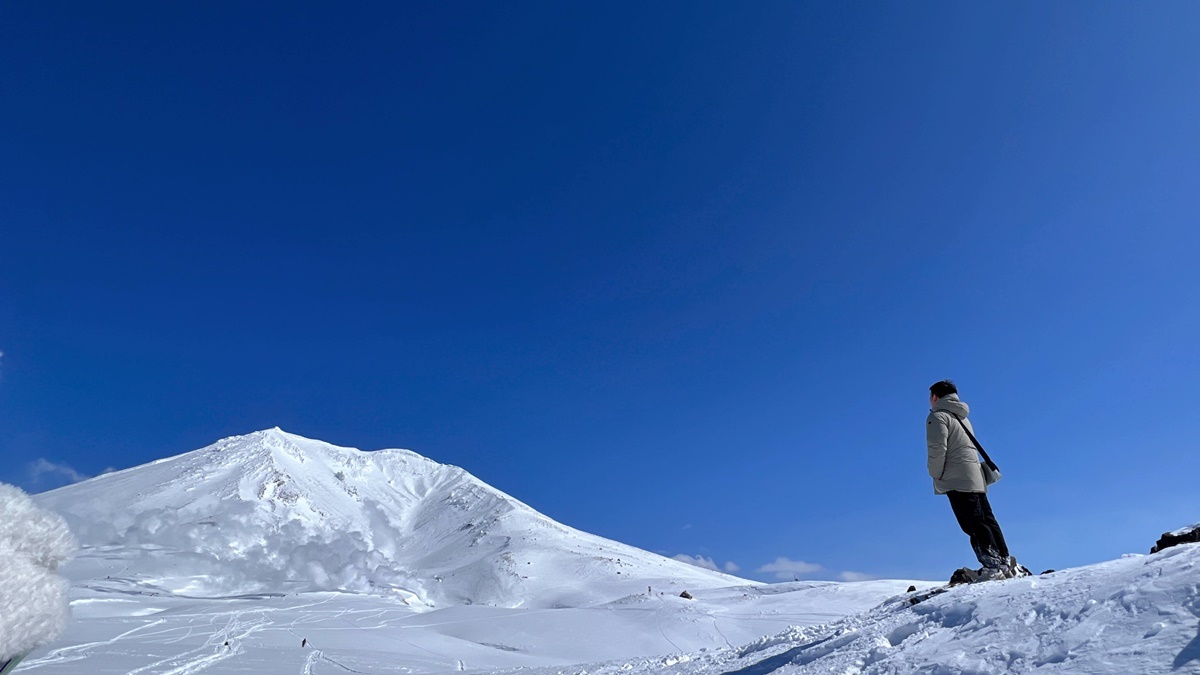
pixel 708 563
pixel 44 467
pixel 784 568
pixel 855 576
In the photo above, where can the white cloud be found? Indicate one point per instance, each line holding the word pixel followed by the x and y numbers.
pixel 786 569
pixel 856 576
pixel 44 466
pixel 698 561
pixel 707 563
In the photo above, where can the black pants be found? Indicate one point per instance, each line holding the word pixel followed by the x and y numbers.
pixel 974 515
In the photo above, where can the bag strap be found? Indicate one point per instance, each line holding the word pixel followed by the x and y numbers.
pixel 8 666
pixel 990 463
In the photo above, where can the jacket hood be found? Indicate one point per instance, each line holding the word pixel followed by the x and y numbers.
pixel 951 403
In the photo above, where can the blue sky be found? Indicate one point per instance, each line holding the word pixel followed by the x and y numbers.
pixel 678 274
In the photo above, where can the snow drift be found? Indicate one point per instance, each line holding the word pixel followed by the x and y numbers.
pixel 33 597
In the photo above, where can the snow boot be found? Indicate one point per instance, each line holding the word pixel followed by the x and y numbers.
pixel 1016 569
pixel 994 574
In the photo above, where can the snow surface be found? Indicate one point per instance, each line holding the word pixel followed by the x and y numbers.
pixel 1184 530
pixel 1134 615
pixel 271 553
pixel 34 542
pixel 119 627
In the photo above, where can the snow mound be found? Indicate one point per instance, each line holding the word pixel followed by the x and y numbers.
pixel 33 597
pixel 272 512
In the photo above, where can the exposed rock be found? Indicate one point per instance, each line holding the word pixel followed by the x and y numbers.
pixel 1187 535
pixel 686 596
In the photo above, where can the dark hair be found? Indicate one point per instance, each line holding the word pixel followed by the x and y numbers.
pixel 943 389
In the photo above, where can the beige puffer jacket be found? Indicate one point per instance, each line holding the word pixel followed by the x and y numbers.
pixel 953 459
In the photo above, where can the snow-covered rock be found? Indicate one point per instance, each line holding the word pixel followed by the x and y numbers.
pixel 1185 535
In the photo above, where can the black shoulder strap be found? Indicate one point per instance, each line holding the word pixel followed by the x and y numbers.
pixel 970 435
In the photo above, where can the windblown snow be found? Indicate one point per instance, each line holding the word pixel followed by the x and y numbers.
pixel 272 553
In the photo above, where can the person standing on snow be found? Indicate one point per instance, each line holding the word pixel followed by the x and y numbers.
pixel 954 466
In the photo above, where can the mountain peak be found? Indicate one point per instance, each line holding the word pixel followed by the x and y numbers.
pixel 272 511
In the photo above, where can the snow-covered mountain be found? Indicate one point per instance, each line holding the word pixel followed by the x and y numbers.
pixel 271 553
pixel 272 512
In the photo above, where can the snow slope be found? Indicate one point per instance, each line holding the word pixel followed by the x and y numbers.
pixel 1140 614
pixel 274 512
pixel 118 629
pixel 271 553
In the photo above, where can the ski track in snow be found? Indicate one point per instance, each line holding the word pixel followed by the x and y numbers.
pixel 222 645
pixel 1134 615
pixel 214 649
pixel 311 662
pixel 79 652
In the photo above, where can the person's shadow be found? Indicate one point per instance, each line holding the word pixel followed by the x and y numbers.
pixel 1191 652
pixel 767 666
pixel 770 665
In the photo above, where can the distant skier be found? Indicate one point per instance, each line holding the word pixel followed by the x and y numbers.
pixel 957 473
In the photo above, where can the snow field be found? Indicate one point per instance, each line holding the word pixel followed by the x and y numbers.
pixel 122 626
